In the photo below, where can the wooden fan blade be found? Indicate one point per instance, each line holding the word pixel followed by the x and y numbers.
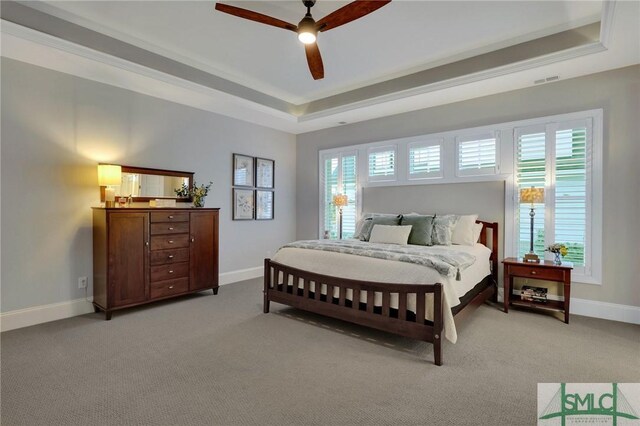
pixel 255 16
pixel 350 12
pixel 314 60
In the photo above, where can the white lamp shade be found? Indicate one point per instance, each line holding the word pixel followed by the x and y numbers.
pixel 109 174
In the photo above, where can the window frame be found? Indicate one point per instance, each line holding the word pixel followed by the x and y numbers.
pixel 338 153
pixel 591 273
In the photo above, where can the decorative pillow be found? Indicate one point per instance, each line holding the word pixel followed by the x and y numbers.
pixel 422 228
pixel 477 229
pixel 391 220
pixel 443 229
pixel 390 234
pixel 363 228
pixel 463 231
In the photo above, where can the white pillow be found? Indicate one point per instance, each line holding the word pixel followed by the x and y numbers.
pixel 463 231
pixel 390 234
pixel 477 229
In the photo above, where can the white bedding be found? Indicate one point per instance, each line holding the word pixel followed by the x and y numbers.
pixel 380 270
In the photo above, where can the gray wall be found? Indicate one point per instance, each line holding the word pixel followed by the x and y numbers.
pixel 56 128
pixel 617 92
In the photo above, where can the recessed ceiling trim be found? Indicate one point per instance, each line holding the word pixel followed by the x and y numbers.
pixel 606 21
pixel 551 58
pixel 31 46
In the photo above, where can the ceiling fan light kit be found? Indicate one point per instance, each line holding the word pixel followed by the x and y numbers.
pixel 308 28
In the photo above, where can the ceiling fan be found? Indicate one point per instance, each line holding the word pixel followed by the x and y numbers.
pixel 308 28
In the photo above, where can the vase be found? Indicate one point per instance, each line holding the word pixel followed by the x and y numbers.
pixel 557 260
pixel 198 202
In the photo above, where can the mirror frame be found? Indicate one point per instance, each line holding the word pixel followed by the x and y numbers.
pixel 161 172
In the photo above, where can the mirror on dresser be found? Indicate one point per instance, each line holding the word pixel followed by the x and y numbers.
pixel 144 184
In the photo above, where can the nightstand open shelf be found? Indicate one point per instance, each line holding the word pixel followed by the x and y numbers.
pixel 545 270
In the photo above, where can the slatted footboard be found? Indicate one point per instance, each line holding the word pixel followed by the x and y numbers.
pixel 398 321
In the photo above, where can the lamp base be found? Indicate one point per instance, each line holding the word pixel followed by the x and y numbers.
pixel 531 257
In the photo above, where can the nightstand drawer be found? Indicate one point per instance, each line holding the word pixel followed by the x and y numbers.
pixel 538 273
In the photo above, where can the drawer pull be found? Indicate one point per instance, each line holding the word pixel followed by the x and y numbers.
pixel 170 256
pixel 533 272
pixel 170 241
pixel 170 216
pixel 170 228
pixel 170 287
pixel 171 271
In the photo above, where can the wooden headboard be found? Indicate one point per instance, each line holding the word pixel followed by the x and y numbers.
pixel 494 245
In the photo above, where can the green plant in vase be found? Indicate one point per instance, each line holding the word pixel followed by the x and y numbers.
pixel 197 193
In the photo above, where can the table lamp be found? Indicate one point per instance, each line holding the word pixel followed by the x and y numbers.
pixel 340 201
pixel 532 195
pixel 109 175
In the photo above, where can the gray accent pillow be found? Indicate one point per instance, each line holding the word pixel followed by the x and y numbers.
pixel 393 220
pixel 422 228
pixel 443 229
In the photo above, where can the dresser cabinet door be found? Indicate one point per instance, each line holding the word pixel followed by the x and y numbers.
pixel 128 258
pixel 203 256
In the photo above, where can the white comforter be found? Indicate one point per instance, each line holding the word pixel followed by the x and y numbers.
pixel 380 270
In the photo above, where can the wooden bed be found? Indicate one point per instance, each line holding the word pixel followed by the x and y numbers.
pixel 397 321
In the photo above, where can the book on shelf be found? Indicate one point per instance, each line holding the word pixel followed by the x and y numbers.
pixel 533 294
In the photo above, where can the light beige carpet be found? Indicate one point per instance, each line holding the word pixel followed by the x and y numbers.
pixel 219 360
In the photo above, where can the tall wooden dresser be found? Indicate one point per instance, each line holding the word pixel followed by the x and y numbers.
pixel 141 255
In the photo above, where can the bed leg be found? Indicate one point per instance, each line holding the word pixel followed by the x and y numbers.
pixel 267 279
pixel 438 324
pixel 437 349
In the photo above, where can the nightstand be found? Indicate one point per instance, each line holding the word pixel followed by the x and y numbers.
pixel 545 270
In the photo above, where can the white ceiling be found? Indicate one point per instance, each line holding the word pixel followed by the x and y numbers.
pixel 402 38
pixel 398 39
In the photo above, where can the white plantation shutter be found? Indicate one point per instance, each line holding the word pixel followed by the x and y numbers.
pixel 571 164
pixel 425 160
pixel 339 176
pixel 350 188
pixel 477 155
pixel 382 163
pixel 330 188
pixel 531 171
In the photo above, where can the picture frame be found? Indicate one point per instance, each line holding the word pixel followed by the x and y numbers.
pixel 243 170
pixel 264 204
pixel 243 204
pixel 265 173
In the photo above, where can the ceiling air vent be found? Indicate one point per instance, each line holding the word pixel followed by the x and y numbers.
pixel 546 80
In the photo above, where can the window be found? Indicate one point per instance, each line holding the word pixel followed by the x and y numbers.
pixel 425 160
pixel 339 176
pixel 477 155
pixel 382 163
pixel 557 156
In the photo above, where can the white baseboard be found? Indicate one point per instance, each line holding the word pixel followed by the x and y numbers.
pixel 40 314
pixel 44 313
pixel 605 310
pixel 595 309
pixel 240 275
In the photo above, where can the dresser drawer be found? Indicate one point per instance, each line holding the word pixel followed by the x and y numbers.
pixel 169 287
pixel 169 216
pixel 169 272
pixel 539 273
pixel 162 242
pixel 163 257
pixel 169 228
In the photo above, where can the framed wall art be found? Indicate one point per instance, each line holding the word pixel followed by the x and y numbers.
pixel 264 173
pixel 243 204
pixel 264 205
pixel 243 170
